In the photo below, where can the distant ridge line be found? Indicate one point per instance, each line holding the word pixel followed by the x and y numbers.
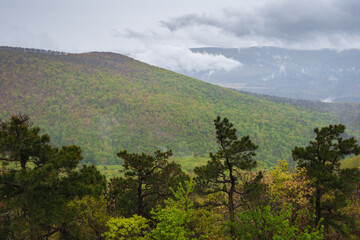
pixel 34 50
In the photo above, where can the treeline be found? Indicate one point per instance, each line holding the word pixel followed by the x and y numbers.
pixel 34 50
pixel 46 194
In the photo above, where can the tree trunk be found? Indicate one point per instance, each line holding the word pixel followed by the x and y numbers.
pixel 140 198
pixel 232 211
pixel 317 205
pixel 23 165
pixel 231 199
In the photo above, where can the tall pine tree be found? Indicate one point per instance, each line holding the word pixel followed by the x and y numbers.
pixel 221 174
pixel 332 184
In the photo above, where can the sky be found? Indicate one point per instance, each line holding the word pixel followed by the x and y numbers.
pixel 160 32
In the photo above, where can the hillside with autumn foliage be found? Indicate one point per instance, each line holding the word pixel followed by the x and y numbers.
pixel 107 102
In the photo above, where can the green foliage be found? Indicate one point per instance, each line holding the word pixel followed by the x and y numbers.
pixel 133 228
pixel 353 162
pixel 173 220
pixel 40 180
pixel 145 183
pixel 110 171
pixel 87 181
pixel 103 102
pixel 188 163
pixel 347 113
pixel 207 223
pixel 234 154
pixel 22 144
pixel 88 217
pixel 333 186
pixel 291 188
pixel 179 219
pixel 268 224
pixel 123 194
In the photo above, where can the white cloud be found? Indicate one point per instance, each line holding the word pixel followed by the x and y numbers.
pixel 207 75
pixel 171 50
pixel 178 58
pixel 333 79
pixel 328 100
pixel 282 69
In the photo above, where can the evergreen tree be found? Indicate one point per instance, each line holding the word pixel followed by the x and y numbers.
pixel 221 174
pixel 22 144
pixel 332 185
pixel 38 180
pixel 146 182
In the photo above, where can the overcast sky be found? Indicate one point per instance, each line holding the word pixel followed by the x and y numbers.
pixel 161 32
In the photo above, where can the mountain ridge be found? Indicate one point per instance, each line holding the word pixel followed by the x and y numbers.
pixel 106 102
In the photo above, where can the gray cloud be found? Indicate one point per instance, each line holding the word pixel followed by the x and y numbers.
pixel 176 23
pixel 124 27
pixel 288 22
pixel 21 36
pixel 291 20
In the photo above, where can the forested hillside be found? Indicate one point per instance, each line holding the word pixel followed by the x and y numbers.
pixel 348 113
pixel 106 102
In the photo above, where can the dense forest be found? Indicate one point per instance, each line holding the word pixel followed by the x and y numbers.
pixel 104 102
pixel 348 113
pixel 45 193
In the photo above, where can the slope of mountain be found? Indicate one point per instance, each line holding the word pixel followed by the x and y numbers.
pixel 326 75
pixel 347 113
pixel 106 102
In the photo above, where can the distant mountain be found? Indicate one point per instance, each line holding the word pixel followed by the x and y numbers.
pixel 323 75
pixel 106 102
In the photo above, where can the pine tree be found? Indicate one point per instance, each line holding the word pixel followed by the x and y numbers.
pixel 146 181
pixel 37 180
pixel 332 184
pixel 221 172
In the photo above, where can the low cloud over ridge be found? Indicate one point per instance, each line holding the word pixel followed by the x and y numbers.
pixel 179 58
pixel 288 24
